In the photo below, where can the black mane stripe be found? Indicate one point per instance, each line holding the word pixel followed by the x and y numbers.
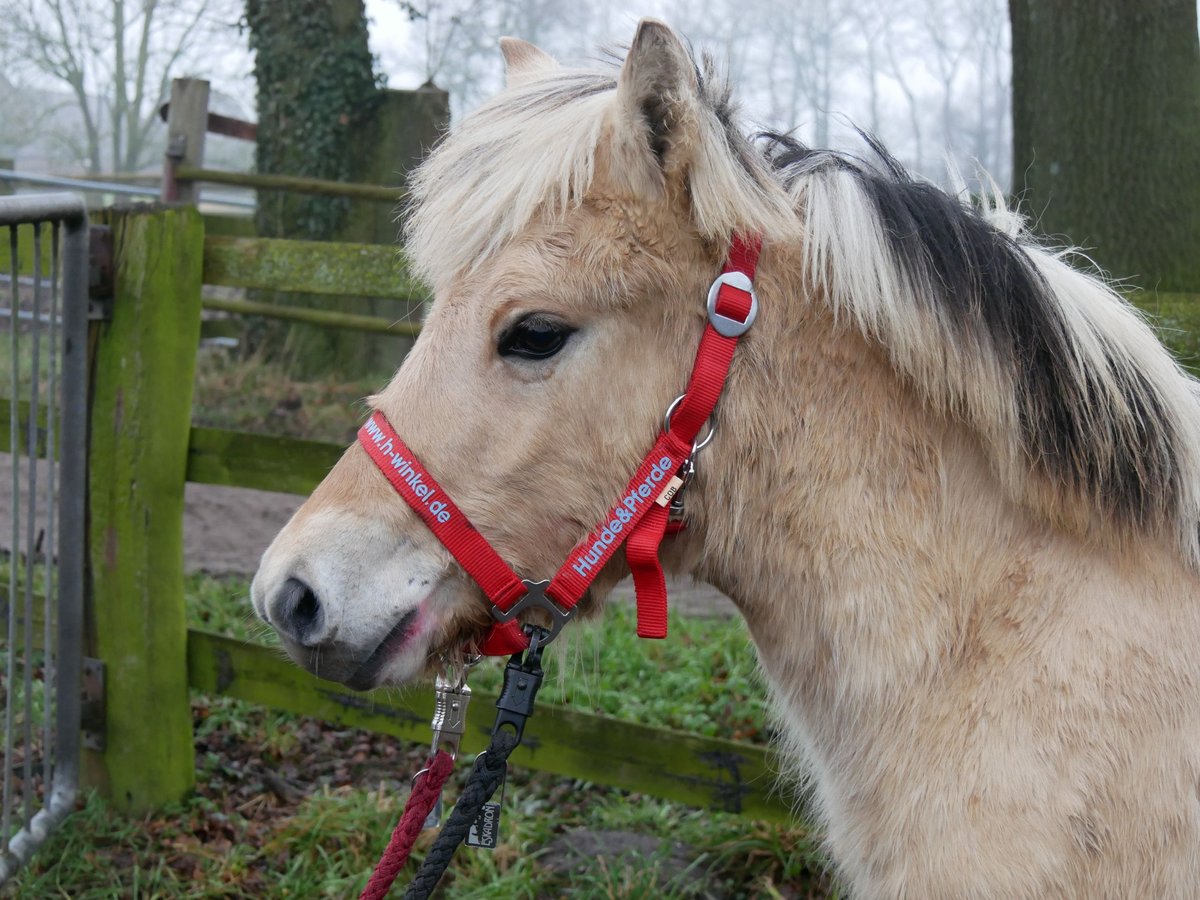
pixel 987 288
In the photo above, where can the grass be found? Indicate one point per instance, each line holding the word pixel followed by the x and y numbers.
pixel 17 368
pixel 326 845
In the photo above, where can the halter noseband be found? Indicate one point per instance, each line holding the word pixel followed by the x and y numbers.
pixel 639 518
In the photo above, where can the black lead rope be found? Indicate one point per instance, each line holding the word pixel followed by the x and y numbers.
pixel 522 678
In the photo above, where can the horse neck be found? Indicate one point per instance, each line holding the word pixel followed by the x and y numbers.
pixel 848 521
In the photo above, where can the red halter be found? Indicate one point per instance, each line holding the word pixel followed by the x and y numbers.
pixel 639 517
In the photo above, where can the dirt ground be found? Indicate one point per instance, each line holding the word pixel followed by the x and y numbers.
pixel 226 530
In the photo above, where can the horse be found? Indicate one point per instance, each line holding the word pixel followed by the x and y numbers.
pixel 954 488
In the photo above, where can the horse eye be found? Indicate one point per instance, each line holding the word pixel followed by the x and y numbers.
pixel 534 337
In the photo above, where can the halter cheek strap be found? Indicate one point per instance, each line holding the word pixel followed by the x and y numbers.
pixel 639 518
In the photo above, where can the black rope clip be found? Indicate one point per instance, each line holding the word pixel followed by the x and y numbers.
pixel 522 678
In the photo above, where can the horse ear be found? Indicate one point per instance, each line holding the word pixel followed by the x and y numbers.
pixel 657 87
pixel 523 61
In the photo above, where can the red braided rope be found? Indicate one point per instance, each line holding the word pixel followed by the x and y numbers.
pixel 416 810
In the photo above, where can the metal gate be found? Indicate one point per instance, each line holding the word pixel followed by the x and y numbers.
pixel 44 282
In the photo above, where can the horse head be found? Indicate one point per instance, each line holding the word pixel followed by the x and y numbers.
pixel 569 258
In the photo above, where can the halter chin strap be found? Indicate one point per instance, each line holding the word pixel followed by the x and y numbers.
pixel 639 518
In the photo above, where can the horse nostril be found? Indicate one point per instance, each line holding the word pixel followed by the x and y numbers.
pixel 299 613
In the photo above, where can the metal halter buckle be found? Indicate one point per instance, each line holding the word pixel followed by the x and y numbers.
pixel 535 598
pixel 724 325
pixel 697 446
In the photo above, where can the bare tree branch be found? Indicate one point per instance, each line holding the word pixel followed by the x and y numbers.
pixel 117 60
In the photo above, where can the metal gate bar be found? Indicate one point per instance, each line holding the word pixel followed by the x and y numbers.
pixel 47 322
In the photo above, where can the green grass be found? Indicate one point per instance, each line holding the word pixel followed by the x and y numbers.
pixel 18 368
pixel 703 678
pixel 327 845
pixel 221 603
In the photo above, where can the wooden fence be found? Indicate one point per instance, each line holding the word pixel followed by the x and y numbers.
pixel 144 448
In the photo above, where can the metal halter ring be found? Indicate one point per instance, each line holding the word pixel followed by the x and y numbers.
pixel 697 446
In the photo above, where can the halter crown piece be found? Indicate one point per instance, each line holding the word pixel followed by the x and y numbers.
pixel 639 519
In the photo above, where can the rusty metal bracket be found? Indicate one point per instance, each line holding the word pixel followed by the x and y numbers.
pixel 92 713
pixel 100 272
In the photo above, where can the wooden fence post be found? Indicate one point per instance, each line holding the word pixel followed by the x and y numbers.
pixel 141 413
pixel 187 126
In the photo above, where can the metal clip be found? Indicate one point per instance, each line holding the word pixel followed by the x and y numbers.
pixel 522 678
pixel 686 472
pixel 451 699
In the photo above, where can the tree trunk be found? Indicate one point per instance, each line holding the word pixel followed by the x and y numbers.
pixel 1106 126
pixel 316 89
pixel 316 86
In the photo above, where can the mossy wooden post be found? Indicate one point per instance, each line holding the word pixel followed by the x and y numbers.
pixel 141 413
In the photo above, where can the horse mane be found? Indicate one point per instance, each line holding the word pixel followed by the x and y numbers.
pixel 1058 374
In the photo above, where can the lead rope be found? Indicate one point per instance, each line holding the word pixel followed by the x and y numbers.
pixel 489 770
pixel 522 678
pixel 449 723
pixel 420 804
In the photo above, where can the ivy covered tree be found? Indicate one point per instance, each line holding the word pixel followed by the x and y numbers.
pixel 1106 131
pixel 317 89
pixel 323 113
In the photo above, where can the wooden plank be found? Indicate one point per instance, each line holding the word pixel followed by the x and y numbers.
pixel 219 124
pixel 141 411
pixel 362 270
pixel 293 184
pixel 229 225
pixel 231 127
pixel 265 462
pixel 324 317
pixel 703 772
